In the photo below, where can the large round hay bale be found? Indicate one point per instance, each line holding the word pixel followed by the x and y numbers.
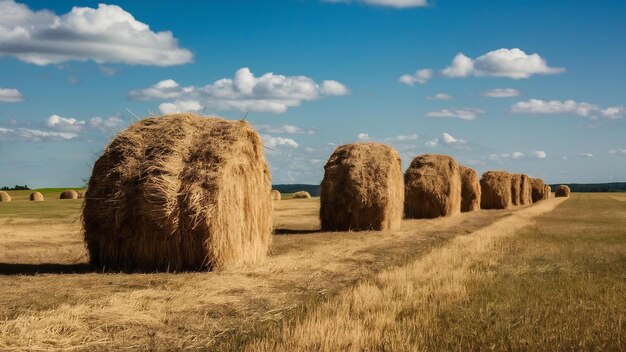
pixel 516 189
pixel 526 190
pixel 433 187
pixel 538 190
pixel 562 191
pixel 69 194
pixel 36 197
pixel 179 192
pixel 470 189
pixel 362 189
pixel 4 197
pixel 301 195
pixel 496 190
pixel 275 194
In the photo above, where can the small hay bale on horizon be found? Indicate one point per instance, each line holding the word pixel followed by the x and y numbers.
pixel 562 191
pixel 470 189
pixel 179 193
pixel 362 189
pixel 4 197
pixel 432 187
pixel 275 194
pixel 301 195
pixel 69 194
pixel 496 190
pixel 36 197
pixel 538 190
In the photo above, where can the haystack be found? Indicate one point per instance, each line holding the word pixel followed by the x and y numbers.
pixel 275 194
pixel 547 192
pixel 301 194
pixel 362 189
pixel 433 187
pixel 4 197
pixel 36 197
pixel 81 194
pixel 562 191
pixel 516 189
pixel 69 194
pixel 470 189
pixel 496 190
pixel 179 192
pixel 538 190
pixel 526 190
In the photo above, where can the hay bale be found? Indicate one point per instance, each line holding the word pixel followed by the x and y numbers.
pixel 69 194
pixel 562 191
pixel 362 189
pixel 433 187
pixel 36 197
pixel 496 190
pixel 547 192
pixel 538 190
pixel 275 194
pixel 516 189
pixel 301 195
pixel 526 190
pixel 81 194
pixel 179 192
pixel 470 189
pixel 4 197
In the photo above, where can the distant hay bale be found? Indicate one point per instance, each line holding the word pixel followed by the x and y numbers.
pixel 516 189
pixel 69 194
pixel 301 194
pixel 81 194
pixel 562 191
pixel 433 187
pixel 4 197
pixel 36 197
pixel 362 189
pixel 526 190
pixel 538 190
pixel 547 192
pixel 275 195
pixel 470 189
pixel 496 190
pixel 177 193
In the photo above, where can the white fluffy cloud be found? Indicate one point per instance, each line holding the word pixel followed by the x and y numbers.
pixel 363 137
pixel 448 139
pixel 556 107
pixel 10 95
pixel 440 96
pixel 617 151
pixel 432 143
pixel 64 124
pixel 511 63
pixel 539 154
pixel 502 93
pixel 403 138
pixel 420 76
pixel 104 34
pixel 390 3
pixel 108 124
pixel 244 92
pixel 273 142
pixel 285 129
pixel 33 135
pixel 517 155
pixel 463 114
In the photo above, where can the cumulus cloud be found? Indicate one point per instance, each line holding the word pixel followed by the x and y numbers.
pixel 420 76
pixel 363 137
pixel 467 114
pixel 34 135
pixel 244 92
pixel 390 3
pixel 448 139
pixel 617 151
pixel 64 124
pixel 108 124
pixel 432 143
pixel 10 95
pixel 104 34
pixel 510 63
pixel 502 93
pixel 440 96
pixel 539 154
pixel 273 142
pixel 556 107
pixel 285 129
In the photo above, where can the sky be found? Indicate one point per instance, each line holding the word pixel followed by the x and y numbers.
pixel 536 87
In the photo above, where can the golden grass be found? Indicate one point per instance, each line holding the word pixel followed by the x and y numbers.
pixel 56 310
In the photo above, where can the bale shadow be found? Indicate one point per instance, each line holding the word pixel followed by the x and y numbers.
pixel 44 268
pixel 295 232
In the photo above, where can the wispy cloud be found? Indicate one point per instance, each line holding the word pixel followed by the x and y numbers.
pixel 502 93
pixel 467 114
pixel 571 107
pixel 389 3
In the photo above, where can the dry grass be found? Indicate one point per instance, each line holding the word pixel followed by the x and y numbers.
pixel 59 310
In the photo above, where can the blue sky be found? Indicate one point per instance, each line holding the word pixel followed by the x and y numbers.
pixel 525 86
